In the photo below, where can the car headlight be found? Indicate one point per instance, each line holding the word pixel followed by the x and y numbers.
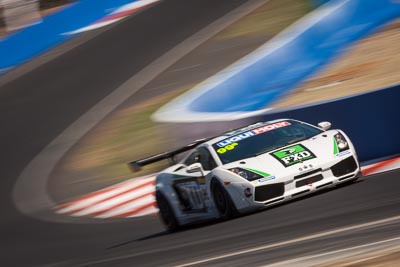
pixel 341 142
pixel 248 175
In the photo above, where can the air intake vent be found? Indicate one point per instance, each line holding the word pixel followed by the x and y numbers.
pixel 266 192
pixel 344 167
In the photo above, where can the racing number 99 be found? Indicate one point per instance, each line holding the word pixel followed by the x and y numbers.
pixel 222 150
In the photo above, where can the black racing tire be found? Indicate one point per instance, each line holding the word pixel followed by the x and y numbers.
pixel 223 201
pixel 166 213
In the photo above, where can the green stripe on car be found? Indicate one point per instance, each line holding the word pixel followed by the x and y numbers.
pixel 264 174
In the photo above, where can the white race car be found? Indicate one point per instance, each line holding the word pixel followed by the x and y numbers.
pixel 250 168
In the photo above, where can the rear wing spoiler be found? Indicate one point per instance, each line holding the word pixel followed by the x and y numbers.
pixel 137 164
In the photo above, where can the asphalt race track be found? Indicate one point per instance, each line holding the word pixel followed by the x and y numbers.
pixel 39 105
pixel 366 201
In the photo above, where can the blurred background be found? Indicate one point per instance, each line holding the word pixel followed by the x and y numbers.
pixel 130 132
pixel 148 76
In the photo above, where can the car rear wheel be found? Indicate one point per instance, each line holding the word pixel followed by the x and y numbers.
pixel 222 200
pixel 166 213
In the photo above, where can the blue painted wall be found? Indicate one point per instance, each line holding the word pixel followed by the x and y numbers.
pixel 280 68
pixel 371 120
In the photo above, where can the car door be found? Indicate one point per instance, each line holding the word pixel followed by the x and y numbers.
pixel 191 187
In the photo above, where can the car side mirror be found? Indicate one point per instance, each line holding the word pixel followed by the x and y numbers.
pixel 195 167
pixel 325 125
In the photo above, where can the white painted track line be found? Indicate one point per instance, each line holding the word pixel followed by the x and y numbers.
pixel 293 241
pixel 378 248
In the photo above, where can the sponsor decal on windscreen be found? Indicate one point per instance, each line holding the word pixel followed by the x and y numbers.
pixel 292 155
pixel 253 132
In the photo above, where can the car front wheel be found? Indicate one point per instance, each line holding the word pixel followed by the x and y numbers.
pixel 222 200
pixel 166 213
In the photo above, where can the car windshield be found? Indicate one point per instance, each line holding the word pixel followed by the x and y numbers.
pixel 263 139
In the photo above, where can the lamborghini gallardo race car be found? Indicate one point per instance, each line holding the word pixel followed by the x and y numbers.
pixel 251 168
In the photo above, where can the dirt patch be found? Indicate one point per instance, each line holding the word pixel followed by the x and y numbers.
pixel 386 259
pixel 46 7
pixel 268 20
pixel 370 64
pixel 127 134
